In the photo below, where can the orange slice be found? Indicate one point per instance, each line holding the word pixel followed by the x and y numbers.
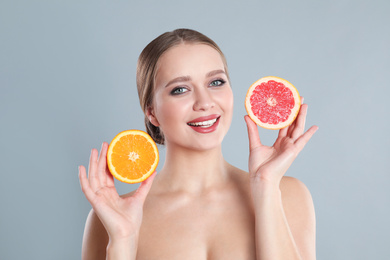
pixel 132 156
pixel 272 102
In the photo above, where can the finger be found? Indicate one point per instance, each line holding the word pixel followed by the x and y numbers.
pixel 253 134
pixel 84 183
pixel 92 171
pixel 283 132
pixel 110 178
pixel 300 122
pixel 102 163
pixel 292 127
pixel 144 188
pixel 302 141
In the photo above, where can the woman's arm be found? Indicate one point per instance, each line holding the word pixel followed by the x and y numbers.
pixel 284 213
pixel 112 227
pixel 285 221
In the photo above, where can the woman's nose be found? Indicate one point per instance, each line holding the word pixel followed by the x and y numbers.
pixel 203 100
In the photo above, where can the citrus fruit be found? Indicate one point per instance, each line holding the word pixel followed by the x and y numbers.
pixel 272 102
pixel 132 156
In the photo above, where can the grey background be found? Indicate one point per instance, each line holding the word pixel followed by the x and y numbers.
pixel 67 77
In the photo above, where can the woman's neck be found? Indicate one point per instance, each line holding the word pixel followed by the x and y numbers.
pixel 192 171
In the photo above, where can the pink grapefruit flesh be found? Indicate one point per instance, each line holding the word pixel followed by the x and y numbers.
pixel 272 102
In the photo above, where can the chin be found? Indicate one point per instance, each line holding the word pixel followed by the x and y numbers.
pixel 206 142
pixel 197 142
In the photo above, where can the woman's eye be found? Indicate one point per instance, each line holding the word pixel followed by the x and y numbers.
pixel 216 83
pixel 178 90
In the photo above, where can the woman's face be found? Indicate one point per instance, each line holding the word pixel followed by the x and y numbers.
pixel 193 101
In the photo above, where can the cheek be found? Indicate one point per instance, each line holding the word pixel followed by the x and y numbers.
pixel 227 100
pixel 168 112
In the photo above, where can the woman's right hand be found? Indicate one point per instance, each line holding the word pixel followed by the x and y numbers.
pixel 121 216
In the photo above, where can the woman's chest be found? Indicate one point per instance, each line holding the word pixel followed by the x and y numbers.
pixel 220 230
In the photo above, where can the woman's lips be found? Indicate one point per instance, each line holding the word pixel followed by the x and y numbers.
pixel 205 124
pixel 204 118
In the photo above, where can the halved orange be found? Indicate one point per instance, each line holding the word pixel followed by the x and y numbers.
pixel 132 156
pixel 272 102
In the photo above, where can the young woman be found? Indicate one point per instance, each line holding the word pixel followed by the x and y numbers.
pixel 199 206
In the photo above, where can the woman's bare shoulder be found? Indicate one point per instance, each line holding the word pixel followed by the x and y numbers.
pixel 296 198
pixel 95 238
pixel 299 210
pixel 237 173
pixel 294 189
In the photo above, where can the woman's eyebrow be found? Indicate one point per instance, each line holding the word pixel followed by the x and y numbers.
pixel 215 72
pixel 188 78
pixel 178 79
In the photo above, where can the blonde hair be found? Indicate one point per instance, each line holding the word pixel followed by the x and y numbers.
pixel 147 67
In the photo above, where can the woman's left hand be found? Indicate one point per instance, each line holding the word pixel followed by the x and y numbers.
pixel 270 163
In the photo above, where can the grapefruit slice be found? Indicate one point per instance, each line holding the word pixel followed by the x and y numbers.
pixel 132 156
pixel 272 102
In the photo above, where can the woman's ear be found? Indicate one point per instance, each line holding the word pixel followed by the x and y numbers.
pixel 152 118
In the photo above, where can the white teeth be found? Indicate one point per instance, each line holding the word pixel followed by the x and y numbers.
pixel 204 124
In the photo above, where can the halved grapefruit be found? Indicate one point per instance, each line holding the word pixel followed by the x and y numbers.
pixel 272 102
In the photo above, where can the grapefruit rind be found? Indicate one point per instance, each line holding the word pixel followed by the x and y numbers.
pixel 111 167
pixel 294 111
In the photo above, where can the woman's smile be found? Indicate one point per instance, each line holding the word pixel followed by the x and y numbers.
pixel 205 124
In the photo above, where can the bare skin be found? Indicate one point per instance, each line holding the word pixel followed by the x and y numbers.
pixel 199 206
